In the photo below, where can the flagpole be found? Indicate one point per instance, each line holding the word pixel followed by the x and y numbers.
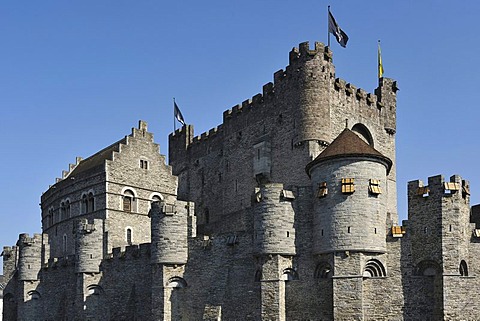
pixel 328 26
pixel 174 124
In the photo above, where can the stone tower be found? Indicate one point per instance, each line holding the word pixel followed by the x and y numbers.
pixel 274 246
pixel 350 211
pixel 169 254
pixel 440 233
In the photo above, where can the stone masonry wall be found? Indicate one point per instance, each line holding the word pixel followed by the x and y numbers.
pixel 219 164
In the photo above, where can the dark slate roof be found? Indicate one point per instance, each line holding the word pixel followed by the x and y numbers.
pixel 348 144
pixel 98 158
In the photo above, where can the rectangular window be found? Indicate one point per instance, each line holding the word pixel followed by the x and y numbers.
pixel 322 190
pixel 348 185
pixel 374 186
pixel 143 164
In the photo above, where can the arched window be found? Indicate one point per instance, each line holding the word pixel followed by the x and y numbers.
pixel 128 236
pixel 67 209
pixel 289 274
pixel 128 201
pixel 323 271
pixel 155 198
pixel 94 290
pixel 176 282
pixel 463 269
pixel 34 295
pixel 84 204
pixel 374 268
pixel 90 203
pixel 362 131
pixel 427 268
pixel 62 211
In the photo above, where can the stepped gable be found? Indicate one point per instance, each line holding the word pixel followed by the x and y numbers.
pixel 348 144
pixel 98 158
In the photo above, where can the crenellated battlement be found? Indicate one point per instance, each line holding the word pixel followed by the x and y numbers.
pixel 207 135
pixel 304 52
pixel 130 252
pixel 25 239
pixel 63 261
pixel 438 188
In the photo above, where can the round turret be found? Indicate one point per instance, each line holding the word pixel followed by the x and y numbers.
pixel 169 233
pixel 89 246
pixel 29 257
pixel 273 221
pixel 350 209
pixel 312 70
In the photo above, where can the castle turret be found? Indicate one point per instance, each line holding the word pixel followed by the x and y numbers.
pixel 349 178
pixel 273 221
pixel 10 257
pixel 439 232
pixel 274 247
pixel 169 233
pixel 170 229
pixel 30 257
pixel 314 73
pixel 88 246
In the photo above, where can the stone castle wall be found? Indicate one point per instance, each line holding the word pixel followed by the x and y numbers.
pixel 257 252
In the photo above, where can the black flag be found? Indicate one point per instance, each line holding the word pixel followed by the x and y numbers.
pixel 178 114
pixel 334 29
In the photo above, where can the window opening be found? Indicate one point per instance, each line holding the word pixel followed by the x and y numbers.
pixel 129 236
pixel 348 186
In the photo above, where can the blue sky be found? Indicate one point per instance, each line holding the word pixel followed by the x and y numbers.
pixel 75 76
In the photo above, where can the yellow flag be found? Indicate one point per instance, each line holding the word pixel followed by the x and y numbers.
pixel 380 65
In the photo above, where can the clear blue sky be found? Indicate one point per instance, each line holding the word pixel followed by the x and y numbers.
pixel 75 76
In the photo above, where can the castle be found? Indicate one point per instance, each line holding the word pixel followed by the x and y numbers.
pixel 285 211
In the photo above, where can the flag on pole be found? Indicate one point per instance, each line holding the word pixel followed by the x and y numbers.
pixel 334 29
pixel 178 114
pixel 380 64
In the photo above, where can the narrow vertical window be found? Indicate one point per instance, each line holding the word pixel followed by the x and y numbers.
pixel 67 209
pixel 90 203
pixel 129 236
pixel 62 211
pixel 84 204
pixel 64 243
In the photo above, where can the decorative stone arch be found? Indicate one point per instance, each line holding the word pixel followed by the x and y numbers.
pixel 129 200
pixel 289 274
pixel 176 282
pixel 374 268
pixel 323 271
pixel 463 268
pixel 362 131
pixel 155 197
pixel 94 289
pixel 34 295
pixel 427 268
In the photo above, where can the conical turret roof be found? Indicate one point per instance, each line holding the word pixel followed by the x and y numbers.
pixel 348 144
